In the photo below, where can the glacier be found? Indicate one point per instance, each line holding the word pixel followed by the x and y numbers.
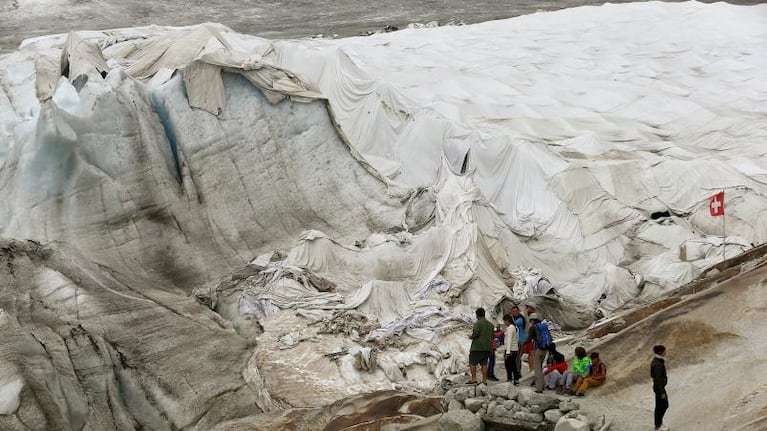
pixel 220 224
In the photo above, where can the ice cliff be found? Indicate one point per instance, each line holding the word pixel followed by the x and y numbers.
pixel 284 223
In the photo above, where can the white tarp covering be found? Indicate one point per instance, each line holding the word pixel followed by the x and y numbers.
pixel 424 173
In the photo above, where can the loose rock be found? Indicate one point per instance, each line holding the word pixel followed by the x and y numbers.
pixel 473 404
pixel 539 403
pixel 481 390
pixel 454 405
pixel 499 390
pixel 449 396
pixel 500 411
pixel 528 417
pixel 491 405
pixel 463 393
pixel 568 406
pixel 553 415
pixel 571 424
pixel 524 395
pixel 460 420
pixel 512 405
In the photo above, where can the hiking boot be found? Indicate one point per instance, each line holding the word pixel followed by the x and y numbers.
pixel 493 378
pixel 516 382
pixel 662 428
pixel 580 394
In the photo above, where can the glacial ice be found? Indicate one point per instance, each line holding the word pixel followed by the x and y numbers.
pixel 375 190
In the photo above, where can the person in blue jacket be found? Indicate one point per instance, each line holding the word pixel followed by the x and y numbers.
pixel 521 324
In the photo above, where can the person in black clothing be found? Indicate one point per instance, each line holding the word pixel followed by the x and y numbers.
pixel 659 380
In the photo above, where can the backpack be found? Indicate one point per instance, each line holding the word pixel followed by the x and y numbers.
pixel 542 336
pixel 497 339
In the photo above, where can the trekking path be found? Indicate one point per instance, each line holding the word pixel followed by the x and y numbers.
pixel 716 361
pixel 621 416
pixel 713 329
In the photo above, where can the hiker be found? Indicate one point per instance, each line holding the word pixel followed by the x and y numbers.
pixel 497 341
pixel 481 346
pixel 659 380
pixel 541 338
pixel 521 323
pixel 511 349
pixel 554 372
pixel 528 347
pixel 581 367
pixel 596 377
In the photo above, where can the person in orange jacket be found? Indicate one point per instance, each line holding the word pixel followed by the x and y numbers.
pixel 597 376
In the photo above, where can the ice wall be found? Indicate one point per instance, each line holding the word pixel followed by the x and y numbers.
pixel 136 177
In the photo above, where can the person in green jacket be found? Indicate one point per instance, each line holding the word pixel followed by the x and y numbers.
pixel 581 367
pixel 481 346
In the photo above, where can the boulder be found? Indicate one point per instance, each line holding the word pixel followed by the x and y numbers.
pixel 463 393
pixel 481 390
pixel 491 405
pixel 553 415
pixel 539 403
pixel 524 395
pixel 449 396
pixel 499 410
pixel 528 417
pixel 571 424
pixel 454 405
pixel 460 420
pixel 474 404
pixel 500 390
pixel 512 405
pixel 568 406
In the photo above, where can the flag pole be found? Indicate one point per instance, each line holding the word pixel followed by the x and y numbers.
pixel 724 232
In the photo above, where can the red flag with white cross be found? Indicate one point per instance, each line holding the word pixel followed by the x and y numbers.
pixel 716 204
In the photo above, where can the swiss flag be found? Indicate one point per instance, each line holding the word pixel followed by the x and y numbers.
pixel 716 204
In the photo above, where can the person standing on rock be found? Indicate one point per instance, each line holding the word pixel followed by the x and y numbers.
pixel 497 342
pixel 481 346
pixel 659 381
pixel 511 349
pixel 528 347
pixel 521 323
pixel 541 339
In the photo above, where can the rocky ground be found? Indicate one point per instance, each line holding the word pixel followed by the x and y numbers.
pixel 683 322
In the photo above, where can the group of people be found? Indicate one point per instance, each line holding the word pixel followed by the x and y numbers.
pixel 530 335
pixel 527 334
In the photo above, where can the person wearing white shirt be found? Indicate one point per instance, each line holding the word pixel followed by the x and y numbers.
pixel 511 350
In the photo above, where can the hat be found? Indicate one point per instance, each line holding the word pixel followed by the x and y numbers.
pixel 534 316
